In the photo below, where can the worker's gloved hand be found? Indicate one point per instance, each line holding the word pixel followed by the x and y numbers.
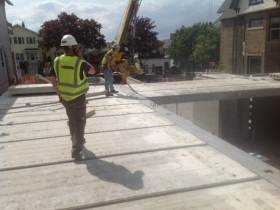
pixel 60 98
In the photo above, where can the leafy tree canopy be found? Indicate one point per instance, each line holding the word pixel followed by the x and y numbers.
pixel 195 45
pixel 86 32
pixel 145 37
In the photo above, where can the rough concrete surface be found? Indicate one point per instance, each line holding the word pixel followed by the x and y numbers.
pixel 137 156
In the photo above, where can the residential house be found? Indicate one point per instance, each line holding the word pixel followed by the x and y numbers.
pixel 25 48
pixel 6 62
pixel 159 62
pixel 250 36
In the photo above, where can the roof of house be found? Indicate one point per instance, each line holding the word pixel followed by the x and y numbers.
pixel 8 2
pixel 229 8
pixel 225 6
pixel 17 25
pixel 167 43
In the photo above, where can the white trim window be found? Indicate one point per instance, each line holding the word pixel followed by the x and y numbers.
pixel 256 23
pixel 275 29
pixel 153 68
pixel 30 40
pixel 252 2
pixel 19 56
pixel 146 68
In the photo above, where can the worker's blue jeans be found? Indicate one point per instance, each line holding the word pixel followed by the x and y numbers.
pixel 108 76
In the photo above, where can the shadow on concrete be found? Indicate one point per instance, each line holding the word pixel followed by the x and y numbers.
pixel 110 172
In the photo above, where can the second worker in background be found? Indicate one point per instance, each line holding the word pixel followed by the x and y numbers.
pixel 108 66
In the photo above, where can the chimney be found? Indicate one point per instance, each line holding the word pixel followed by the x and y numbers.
pixel 23 25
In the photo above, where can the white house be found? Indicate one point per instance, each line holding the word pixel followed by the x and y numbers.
pixel 154 65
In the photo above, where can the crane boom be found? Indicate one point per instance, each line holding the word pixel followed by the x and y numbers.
pixel 130 12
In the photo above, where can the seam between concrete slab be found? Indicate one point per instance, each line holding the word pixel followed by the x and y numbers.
pixel 163 193
pixel 67 119
pixel 107 131
pixel 103 156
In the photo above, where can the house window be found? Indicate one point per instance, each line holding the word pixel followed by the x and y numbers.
pixel 20 40
pixel 153 68
pixel 11 40
pixel 15 40
pixel 255 2
pixel 17 56
pixel 146 69
pixel 30 40
pixel 21 57
pixel 254 64
pixel 255 23
pixel 32 57
pixel 2 58
pixel 275 28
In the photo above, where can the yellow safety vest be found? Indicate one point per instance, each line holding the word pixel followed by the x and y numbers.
pixel 67 70
pixel 104 60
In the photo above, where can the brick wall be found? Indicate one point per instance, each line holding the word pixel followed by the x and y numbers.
pixel 272 49
pixel 226 44
pixel 239 42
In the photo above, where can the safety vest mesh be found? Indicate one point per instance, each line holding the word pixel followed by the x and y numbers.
pixel 67 70
pixel 104 60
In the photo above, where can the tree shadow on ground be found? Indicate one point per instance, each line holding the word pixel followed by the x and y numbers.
pixel 110 172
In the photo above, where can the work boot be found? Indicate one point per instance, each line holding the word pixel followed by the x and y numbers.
pixel 114 91
pixel 107 94
pixel 77 155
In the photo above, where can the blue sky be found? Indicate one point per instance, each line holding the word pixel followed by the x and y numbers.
pixel 169 15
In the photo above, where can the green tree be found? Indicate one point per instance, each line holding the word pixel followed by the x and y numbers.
pixel 145 37
pixel 86 32
pixel 207 46
pixel 192 46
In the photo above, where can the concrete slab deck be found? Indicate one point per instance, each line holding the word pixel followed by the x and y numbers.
pixel 137 156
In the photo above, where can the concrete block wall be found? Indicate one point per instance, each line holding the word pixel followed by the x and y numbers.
pixel 5 44
pixel 266 118
pixel 184 110
pixel 226 47
pixel 206 115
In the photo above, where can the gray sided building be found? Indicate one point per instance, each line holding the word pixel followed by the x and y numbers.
pixel 6 63
pixel 250 36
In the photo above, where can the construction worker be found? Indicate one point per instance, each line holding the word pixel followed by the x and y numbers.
pixel 109 64
pixel 70 83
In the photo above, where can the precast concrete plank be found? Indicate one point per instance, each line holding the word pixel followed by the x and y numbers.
pixel 32 88
pixel 199 84
pixel 257 195
pixel 94 124
pixel 104 180
pixel 206 89
pixel 53 150
pixel 56 114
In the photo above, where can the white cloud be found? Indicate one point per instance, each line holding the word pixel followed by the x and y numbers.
pixel 168 15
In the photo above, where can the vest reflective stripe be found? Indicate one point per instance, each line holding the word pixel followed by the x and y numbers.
pixel 104 60
pixel 69 83
pixel 73 94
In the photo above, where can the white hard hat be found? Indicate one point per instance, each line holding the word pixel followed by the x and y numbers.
pixel 116 46
pixel 68 40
